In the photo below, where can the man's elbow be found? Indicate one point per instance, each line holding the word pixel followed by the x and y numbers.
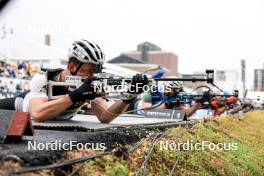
pixel 189 114
pixel 103 119
pixel 38 117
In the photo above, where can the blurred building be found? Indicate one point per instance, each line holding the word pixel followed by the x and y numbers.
pixel 229 80
pixel 259 80
pixel 147 56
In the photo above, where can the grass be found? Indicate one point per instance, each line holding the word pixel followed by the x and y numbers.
pixel 245 136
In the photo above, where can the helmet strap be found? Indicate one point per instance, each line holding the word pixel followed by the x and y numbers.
pixel 99 68
pixel 77 69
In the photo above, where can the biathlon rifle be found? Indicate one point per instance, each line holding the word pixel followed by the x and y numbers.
pixel 101 81
pixel 184 98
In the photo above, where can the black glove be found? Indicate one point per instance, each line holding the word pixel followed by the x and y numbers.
pixel 85 92
pixel 137 84
pixel 136 87
pixel 206 97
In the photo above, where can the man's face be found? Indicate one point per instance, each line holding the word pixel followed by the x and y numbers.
pixel 169 92
pixel 86 71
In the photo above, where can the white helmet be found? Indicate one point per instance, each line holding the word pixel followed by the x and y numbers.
pixel 174 85
pixel 86 52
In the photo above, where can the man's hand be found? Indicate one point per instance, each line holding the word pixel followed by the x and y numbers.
pixel 137 84
pixel 85 92
pixel 136 87
pixel 206 97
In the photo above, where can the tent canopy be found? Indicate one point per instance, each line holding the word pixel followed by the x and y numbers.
pixel 22 49
pixel 26 50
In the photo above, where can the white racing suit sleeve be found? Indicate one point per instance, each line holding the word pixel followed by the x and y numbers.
pixel 37 89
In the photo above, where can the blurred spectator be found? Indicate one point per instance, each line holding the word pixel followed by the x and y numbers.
pixel 19 87
pixel 15 76
pixel 30 70
pixel 2 69
pixel 18 69
pixel 22 66
pixel 12 73
pixel 1 86
pixel 12 87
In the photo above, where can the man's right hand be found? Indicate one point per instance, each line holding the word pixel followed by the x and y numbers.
pixel 206 97
pixel 85 92
pixel 137 84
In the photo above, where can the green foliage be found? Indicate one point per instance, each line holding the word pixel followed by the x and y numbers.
pixel 247 159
